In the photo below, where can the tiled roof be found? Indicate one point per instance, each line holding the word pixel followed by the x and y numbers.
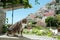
pixel 49 13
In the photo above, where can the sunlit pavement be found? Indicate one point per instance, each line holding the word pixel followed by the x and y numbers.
pixel 27 37
pixel 40 37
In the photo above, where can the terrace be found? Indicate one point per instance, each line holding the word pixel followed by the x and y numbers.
pixel 34 33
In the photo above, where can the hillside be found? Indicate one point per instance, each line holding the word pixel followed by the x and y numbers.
pixel 50 9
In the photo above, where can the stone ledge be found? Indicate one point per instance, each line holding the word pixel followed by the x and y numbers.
pixel 4 37
pixel 27 37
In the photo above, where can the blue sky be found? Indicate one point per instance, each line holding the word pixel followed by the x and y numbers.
pixel 21 13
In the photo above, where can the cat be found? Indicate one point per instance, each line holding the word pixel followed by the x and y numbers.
pixel 17 27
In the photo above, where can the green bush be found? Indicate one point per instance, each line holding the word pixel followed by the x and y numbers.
pixel 25 31
pixel 49 33
pixel 39 27
pixel 4 29
pixel 51 21
pixel 36 31
pixel 39 33
pixel 58 37
pixel 32 23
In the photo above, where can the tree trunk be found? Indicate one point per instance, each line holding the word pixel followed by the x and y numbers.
pixel 12 15
pixel 12 12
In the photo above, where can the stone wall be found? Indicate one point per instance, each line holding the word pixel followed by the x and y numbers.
pixel 2 19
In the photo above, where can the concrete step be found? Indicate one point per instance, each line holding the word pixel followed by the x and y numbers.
pixel 27 37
